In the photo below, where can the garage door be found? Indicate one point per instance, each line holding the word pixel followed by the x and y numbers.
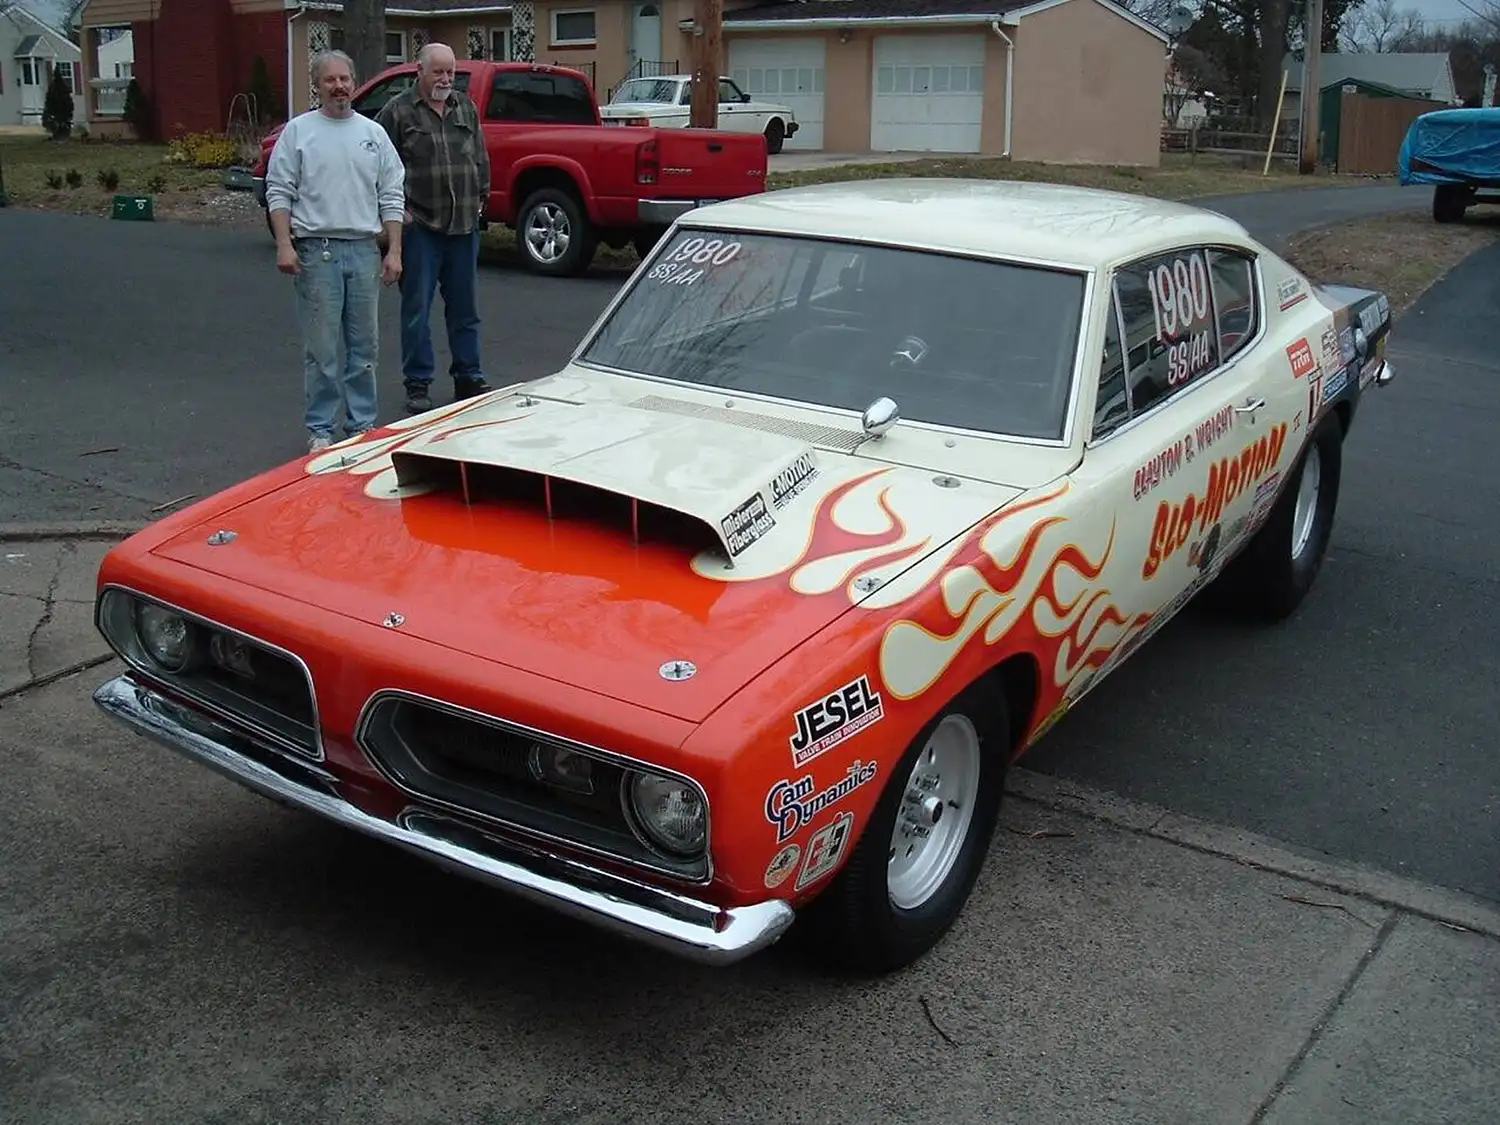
pixel 929 93
pixel 789 71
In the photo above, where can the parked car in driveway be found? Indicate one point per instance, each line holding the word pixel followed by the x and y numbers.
pixel 739 618
pixel 665 102
pixel 1458 152
pixel 563 180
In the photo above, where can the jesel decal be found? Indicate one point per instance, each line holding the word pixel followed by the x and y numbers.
pixel 839 715
pixel 1226 480
pixel 791 804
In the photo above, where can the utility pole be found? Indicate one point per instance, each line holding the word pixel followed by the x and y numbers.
pixel 708 49
pixel 1311 94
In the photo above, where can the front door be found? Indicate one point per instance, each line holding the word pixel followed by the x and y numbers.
pixel 35 74
pixel 645 37
pixel 1188 444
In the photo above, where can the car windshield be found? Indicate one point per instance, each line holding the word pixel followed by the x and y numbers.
pixel 955 341
pixel 646 90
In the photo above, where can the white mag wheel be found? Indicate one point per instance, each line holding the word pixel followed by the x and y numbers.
pixel 936 810
pixel 1305 515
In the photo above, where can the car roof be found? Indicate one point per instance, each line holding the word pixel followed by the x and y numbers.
pixel 1061 224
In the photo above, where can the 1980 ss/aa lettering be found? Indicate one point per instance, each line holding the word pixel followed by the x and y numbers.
pixel 1226 480
pixel 838 716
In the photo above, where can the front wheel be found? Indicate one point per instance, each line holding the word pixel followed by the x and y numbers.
pixel 1448 203
pixel 1275 572
pixel 775 136
pixel 554 234
pixel 914 868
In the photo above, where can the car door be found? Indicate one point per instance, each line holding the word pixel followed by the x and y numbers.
pixel 1185 440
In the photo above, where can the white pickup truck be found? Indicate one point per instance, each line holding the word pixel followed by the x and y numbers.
pixel 665 102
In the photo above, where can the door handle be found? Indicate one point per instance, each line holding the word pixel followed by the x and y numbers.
pixel 715 146
pixel 1251 406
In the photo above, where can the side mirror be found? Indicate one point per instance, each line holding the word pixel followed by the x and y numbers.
pixel 744 99
pixel 879 417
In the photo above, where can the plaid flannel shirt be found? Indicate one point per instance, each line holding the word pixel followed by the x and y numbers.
pixel 447 163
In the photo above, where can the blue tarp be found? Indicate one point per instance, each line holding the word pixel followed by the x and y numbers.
pixel 1452 146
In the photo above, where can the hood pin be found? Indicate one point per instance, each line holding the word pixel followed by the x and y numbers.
pixel 219 538
pixel 678 670
pixel 394 621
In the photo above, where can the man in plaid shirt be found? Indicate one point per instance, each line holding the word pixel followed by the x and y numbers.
pixel 436 129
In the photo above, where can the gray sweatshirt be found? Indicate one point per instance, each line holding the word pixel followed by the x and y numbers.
pixel 340 177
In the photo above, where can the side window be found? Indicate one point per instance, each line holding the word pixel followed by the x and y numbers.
pixel 376 97
pixel 728 91
pixel 1234 298
pixel 555 99
pixel 1170 336
pixel 1113 407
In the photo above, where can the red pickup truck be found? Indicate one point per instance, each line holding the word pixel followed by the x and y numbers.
pixel 564 180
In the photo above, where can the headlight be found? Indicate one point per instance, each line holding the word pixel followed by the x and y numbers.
pixel 670 812
pixel 169 638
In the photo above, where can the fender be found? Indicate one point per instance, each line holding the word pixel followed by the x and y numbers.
pixel 550 162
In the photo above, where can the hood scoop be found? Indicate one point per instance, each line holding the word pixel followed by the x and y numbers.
pixel 702 484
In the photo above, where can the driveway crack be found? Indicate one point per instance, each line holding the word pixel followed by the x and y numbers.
pixel 49 605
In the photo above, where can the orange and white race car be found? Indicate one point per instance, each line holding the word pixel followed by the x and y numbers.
pixel 741 617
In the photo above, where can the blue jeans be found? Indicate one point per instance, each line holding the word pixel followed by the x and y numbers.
pixel 338 302
pixel 430 260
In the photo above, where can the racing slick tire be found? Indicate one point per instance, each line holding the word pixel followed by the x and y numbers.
pixel 559 214
pixel 900 892
pixel 1273 574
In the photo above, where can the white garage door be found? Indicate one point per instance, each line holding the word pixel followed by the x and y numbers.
pixel 929 93
pixel 789 71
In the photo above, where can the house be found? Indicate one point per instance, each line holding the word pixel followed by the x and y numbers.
pixel 31 50
pixel 1427 75
pixel 1046 80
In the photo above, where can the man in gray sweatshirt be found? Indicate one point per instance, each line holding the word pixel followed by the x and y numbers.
pixel 333 183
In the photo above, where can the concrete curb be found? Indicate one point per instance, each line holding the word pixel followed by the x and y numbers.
pixel 1451 908
pixel 69 529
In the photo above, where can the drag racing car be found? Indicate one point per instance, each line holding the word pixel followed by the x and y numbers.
pixel 738 619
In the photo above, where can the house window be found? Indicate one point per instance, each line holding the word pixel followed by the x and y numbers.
pixel 573 28
pixel 31 72
pixel 68 70
pixel 395 46
pixel 501 46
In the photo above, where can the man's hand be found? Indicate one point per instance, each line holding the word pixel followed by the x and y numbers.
pixel 390 267
pixel 406 217
pixel 287 260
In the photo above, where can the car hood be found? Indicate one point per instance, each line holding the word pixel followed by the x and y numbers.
pixel 592 542
pixel 636 109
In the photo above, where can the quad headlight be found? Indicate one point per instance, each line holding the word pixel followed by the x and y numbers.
pixel 669 812
pixel 169 638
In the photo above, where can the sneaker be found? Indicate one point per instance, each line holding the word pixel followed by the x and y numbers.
pixel 319 441
pixel 468 388
pixel 417 399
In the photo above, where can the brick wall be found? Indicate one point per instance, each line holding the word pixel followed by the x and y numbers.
pixel 196 56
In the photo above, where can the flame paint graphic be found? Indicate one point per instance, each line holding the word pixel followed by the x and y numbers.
pixel 1074 625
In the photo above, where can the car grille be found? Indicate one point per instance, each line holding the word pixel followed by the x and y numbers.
pixel 483 767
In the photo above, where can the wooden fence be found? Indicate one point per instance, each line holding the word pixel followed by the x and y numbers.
pixel 1371 131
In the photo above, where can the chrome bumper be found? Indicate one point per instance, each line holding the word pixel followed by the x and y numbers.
pixel 679 925
pixel 663 212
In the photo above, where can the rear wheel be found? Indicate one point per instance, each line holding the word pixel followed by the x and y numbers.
pixel 1448 203
pixel 916 864
pixel 553 233
pixel 775 136
pixel 1274 573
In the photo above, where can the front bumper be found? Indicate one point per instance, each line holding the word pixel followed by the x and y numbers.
pixel 688 928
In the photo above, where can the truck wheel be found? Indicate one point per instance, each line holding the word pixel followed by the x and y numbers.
pixel 775 136
pixel 912 872
pixel 554 234
pixel 1448 203
pixel 1274 573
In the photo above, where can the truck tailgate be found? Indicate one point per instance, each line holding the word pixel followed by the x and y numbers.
pixel 710 164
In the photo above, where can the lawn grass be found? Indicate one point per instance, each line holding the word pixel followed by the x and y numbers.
pixel 1403 255
pixel 141 169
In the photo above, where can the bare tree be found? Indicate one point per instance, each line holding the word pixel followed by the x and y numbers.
pixel 1378 26
pixel 364 36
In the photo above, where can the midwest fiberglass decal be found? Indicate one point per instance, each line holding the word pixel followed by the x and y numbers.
pixel 746 524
